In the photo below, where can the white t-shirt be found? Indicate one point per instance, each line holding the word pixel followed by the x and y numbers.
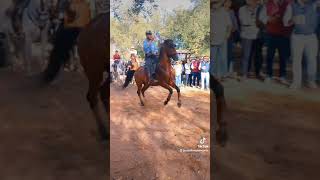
pixel 221 24
pixel 178 69
pixel 187 67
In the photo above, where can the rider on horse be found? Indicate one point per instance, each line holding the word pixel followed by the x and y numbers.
pixel 151 54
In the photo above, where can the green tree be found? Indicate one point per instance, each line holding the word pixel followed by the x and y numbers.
pixel 191 26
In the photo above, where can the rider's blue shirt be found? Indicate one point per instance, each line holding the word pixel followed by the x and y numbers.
pixel 150 47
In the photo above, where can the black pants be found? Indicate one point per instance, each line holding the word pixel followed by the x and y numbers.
pixel 129 77
pixel 4 50
pixel 196 75
pixel 65 40
pixel 283 45
pixel 257 56
pixel 188 79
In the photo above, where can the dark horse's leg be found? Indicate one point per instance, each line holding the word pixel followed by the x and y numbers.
pixel 167 86
pixel 221 131
pixel 145 87
pixel 179 94
pixel 105 96
pixel 92 97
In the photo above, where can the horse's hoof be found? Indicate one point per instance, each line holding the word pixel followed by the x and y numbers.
pixel 221 137
pixel 165 103
pixel 142 104
pixel 179 104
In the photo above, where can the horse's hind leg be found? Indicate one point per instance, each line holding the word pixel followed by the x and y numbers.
pixel 221 131
pixel 139 94
pixel 92 97
pixel 105 96
pixel 145 87
pixel 166 86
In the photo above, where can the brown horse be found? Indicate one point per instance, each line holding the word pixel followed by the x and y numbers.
pixel 93 48
pixel 165 76
pixel 164 73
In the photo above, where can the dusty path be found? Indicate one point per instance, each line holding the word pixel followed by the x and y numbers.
pixel 146 141
pixel 274 134
pixel 47 133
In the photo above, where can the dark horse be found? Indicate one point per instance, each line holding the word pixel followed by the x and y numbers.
pixel 93 48
pixel 165 76
pixel 221 126
pixel 164 73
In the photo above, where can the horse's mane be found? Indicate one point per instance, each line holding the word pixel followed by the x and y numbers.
pixel 166 43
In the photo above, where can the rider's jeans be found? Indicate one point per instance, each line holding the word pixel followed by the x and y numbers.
pixel 150 65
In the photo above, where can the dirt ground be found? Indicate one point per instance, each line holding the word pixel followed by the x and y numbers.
pixel 48 133
pixel 146 141
pixel 274 133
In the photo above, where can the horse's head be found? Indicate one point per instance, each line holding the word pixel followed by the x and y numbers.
pixel 169 48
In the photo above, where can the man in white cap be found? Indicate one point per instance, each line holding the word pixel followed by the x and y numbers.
pixel 133 51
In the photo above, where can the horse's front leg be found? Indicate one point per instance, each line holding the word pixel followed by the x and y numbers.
pixel 139 93
pixel 167 86
pixel 179 94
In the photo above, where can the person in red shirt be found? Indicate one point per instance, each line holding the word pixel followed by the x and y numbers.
pixel 116 57
pixel 278 36
pixel 195 70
